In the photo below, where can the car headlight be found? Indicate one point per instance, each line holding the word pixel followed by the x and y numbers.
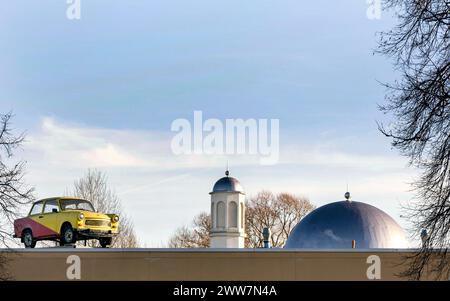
pixel 81 216
pixel 115 218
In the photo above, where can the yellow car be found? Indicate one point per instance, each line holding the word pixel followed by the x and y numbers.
pixel 66 220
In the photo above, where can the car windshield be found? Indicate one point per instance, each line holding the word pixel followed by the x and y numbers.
pixel 76 205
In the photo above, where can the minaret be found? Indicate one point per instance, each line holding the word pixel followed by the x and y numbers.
pixel 227 213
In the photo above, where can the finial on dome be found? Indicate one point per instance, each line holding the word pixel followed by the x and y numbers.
pixel 227 172
pixel 347 196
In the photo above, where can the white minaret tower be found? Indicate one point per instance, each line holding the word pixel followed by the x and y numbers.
pixel 227 213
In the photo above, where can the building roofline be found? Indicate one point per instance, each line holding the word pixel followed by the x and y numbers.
pixel 208 250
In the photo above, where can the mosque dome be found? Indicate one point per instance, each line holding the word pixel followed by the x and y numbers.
pixel 227 184
pixel 336 225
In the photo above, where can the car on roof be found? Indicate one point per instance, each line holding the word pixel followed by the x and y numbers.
pixel 65 220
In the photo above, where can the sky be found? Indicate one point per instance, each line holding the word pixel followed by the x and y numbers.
pixel 102 92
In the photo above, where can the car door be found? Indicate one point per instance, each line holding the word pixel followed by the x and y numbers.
pixel 28 222
pixel 49 218
pixel 35 221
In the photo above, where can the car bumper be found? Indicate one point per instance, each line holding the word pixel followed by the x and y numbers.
pixel 92 233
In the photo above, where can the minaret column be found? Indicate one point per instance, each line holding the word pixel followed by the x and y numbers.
pixel 227 191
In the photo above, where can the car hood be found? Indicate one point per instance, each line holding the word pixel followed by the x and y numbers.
pixel 90 214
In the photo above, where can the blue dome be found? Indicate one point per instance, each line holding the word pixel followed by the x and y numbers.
pixel 336 225
pixel 227 184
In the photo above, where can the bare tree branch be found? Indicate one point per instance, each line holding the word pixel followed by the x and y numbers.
pixel 14 193
pixel 94 187
pixel 420 107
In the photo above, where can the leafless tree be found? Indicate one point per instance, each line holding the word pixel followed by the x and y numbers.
pixel 279 212
pixel 94 187
pixel 196 236
pixel 14 193
pixel 420 106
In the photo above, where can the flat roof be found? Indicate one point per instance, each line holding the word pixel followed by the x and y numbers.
pixel 206 250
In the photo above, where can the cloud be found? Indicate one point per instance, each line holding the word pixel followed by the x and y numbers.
pixel 110 155
pixel 77 145
pixel 331 154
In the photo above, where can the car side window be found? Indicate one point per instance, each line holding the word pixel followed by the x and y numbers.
pixel 50 206
pixel 37 208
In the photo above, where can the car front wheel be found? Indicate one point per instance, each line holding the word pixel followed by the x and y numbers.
pixel 67 235
pixel 105 241
pixel 28 239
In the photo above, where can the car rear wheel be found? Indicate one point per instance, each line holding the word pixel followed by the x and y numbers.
pixel 105 241
pixel 28 239
pixel 68 235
